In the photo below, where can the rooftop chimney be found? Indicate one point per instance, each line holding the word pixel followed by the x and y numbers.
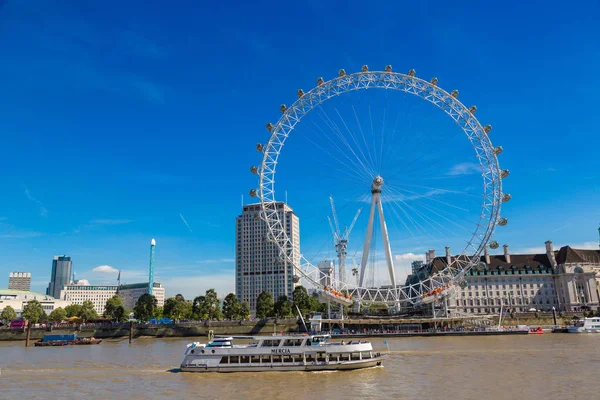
pixel 550 253
pixel 448 257
pixel 486 254
pixel 506 254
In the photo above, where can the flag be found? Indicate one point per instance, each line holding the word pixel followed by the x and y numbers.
pixel 385 342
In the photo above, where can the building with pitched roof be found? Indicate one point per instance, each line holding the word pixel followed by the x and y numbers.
pixel 567 280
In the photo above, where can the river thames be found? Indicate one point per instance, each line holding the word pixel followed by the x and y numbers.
pixel 550 366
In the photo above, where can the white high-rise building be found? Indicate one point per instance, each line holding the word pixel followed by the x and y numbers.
pixel 81 290
pixel 259 266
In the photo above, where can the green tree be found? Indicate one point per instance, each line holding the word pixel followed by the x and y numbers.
pixel 198 311
pixel 114 309
pixel 231 307
pixel 88 312
pixel 168 307
pixel 283 307
pixel 8 314
pixel 73 310
pixel 245 310
pixel 145 307
pixel 159 313
pixel 33 312
pixel 179 297
pixel 57 315
pixel 210 306
pixel 264 305
pixel 315 305
pixel 176 308
pixel 301 299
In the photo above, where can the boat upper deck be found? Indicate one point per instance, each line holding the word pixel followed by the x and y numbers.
pixel 292 343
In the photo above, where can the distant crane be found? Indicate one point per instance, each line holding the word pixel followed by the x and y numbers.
pixel 341 239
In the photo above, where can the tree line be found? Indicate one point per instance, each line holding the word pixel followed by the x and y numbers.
pixel 34 313
pixel 208 307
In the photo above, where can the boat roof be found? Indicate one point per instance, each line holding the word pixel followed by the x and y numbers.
pixel 299 336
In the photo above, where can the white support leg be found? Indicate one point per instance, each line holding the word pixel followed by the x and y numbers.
pixel 367 245
pixel 386 243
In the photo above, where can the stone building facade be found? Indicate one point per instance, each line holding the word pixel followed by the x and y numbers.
pixel 565 279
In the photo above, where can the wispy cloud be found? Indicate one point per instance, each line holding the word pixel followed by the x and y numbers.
pixel 142 46
pixel 105 269
pixel 20 235
pixel 465 168
pixel 542 249
pixel 191 287
pixel 43 210
pixel 561 228
pixel 102 221
pixel 216 261
pixel 185 222
pixel 150 90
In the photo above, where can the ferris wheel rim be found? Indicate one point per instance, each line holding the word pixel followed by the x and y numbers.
pixel 429 91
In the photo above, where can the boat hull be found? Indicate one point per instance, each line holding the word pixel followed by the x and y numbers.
pixel 582 330
pixel 319 366
pixel 67 343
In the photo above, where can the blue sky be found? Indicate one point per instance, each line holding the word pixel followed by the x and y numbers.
pixel 116 119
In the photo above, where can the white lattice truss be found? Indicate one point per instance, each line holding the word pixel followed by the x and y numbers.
pixel 453 272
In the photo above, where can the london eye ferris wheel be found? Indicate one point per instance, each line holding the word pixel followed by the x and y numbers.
pixel 369 140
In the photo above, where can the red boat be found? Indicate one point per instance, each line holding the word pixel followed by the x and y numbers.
pixel 536 331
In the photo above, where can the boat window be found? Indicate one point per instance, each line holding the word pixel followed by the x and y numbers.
pixel 321 357
pixel 345 357
pixel 356 356
pixel 293 342
pixel 225 360
pixel 276 359
pixel 244 359
pixel 271 343
pixel 310 357
pixel 255 359
pixel 366 355
pixel 287 359
pixel 234 359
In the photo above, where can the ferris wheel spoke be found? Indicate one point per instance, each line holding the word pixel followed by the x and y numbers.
pixel 358 146
pixel 352 164
pixel 445 218
pixel 335 145
pixel 348 168
pixel 395 212
pixel 334 128
pixel 430 197
pixel 362 134
pixel 424 217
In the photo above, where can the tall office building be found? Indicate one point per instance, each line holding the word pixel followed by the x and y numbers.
pixel 19 281
pixel 61 275
pixel 259 266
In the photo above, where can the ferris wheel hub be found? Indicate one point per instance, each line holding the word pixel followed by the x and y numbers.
pixel 377 184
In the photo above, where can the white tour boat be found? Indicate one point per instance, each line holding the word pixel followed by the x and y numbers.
pixel 587 325
pixel 279 353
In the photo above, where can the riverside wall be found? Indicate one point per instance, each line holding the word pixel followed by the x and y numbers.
pixel 106 331
pixel 253 327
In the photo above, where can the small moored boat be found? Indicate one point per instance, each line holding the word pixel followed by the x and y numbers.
pixel 65 340
pixel 587 325
pixel 279 353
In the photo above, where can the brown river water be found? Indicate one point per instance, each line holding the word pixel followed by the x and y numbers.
pixel 550 366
